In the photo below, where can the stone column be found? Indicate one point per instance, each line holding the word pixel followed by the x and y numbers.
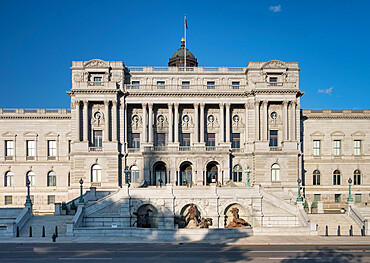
pixel 85 121
pixel 150 122
pixel 222 121
pixel 196 122
pixel 176 122
pixel 202 122
pixel 246 135
pixel 78 126
pixel 227 122
pixel 144 132
pixel 285 120
pixel 294 133
pixel 257 120
pixel 265 121
pixel 170 123
pixel 107 121
pixel 114 120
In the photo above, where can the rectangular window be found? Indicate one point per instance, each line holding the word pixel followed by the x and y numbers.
pixel 357 147
pixel 273 81
pixel 316 147
pixel 160 85
pixel 211 141
pixel 8 200
pixel 235 143
pixel 98 138
pixel 336 147
pixel 52 148
pixel 97 81
pixel 210 85
pixel 9 148
pixel 161 139
pixel 185 139
pixel 185 85
pixel 135 84
pixel 31 148
pixel 51 199
pixel 337 198
pixel 273 138
pixel 316 179
pixel 358 198
pixel 317 197
pixel 135 140
pixel 235 84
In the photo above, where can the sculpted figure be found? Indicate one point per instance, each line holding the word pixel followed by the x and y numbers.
pixel 237 222
pixel 205 222
pixel 180 221
pixel 192 215
pixel 143 220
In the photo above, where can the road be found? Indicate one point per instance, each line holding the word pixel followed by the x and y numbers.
pixel 178 253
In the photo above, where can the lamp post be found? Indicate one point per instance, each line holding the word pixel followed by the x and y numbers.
pixel 127 172
pixel 349 199
pixel 28 199
pixel 81 197
pixel 299 197
pixel 247 171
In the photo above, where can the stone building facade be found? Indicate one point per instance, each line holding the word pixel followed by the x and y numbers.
pixel 237 130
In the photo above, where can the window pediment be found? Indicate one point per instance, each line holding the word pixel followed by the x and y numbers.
pixel 51 135
pixel 358 134
pixel 9 134
pixel 30 134
pixel 317 134
pixel 337 134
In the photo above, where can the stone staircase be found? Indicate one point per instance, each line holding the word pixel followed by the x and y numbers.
pixel 332 221
pixel 49 221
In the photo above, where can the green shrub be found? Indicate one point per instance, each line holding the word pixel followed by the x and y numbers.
pixel 305 205
pixel 73 206
pixel 64 206
pixel 314 204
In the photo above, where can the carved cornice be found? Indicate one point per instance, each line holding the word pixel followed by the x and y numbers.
pixel 178 94
pixel 36 117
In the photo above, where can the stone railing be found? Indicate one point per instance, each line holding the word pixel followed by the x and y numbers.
pixel 235 70
pixel 22 218
pixel 185 88
pixel 38 112
pixel 353 213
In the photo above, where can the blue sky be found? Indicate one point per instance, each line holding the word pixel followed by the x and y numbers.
pixel 330 40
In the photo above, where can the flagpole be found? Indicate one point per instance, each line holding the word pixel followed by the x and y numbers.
pixel 185 42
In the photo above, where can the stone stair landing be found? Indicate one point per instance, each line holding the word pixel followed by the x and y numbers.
pixel 332 221
pixel 49 221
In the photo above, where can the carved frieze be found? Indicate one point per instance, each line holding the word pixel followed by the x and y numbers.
pixel 96 63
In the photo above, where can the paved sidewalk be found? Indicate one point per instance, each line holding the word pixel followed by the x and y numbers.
pixel 253 240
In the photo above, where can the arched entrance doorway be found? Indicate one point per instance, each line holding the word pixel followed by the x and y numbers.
pixel 186 172
pixel 212 173
pixel 160 174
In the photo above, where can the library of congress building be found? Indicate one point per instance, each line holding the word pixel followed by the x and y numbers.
pixel 215 137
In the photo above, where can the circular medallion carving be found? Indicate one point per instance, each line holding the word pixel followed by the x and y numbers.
pixel 211 118
pixel 135 118
pixel 273 115
pixel 186 118
pixel 236 118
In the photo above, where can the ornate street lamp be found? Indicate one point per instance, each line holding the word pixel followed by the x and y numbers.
pixel 81 200
pixel 127 172
pixel 28 199
pixel 299 197
pixel 248 171
pixel 349 199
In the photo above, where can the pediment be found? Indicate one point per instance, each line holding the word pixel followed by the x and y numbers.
pixel 274 64
pixel 358 134
pixel 68 134
pixel 337 133
pixel 30 134
pixel 8 134
pixel 51 134
pixel 96 63
pixel 317 134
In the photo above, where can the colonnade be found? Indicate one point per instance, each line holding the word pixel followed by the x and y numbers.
pixel 261 122
pixel 82 126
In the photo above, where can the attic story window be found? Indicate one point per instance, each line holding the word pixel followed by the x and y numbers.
pixel 97 81
pixel 273 81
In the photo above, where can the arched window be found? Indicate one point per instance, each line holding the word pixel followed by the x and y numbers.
pixel 357 177
pixel 31 176
pixel 237 173
pixel 52 178
pixel 8 179
pixel 96 173
pixel 275 172
pixel 316 177
pixel 336 177
pixel 135 173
